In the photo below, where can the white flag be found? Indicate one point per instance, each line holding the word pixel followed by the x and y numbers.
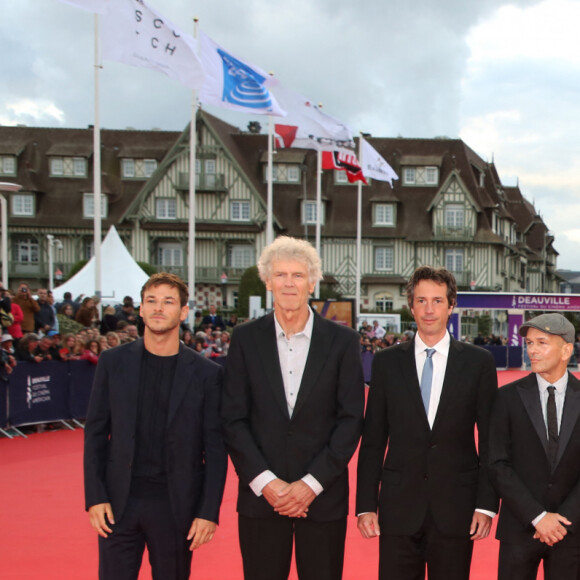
pixel 307 127
pixel 373 164
pixel 232 83
pixel 134 33
pixel 95 6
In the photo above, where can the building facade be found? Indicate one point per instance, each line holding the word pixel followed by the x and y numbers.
pixel 448 208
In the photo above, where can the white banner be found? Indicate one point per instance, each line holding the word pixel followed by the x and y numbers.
pixel 373 164
pixel 134 33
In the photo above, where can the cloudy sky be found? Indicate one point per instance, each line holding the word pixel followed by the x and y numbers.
pixel 502 76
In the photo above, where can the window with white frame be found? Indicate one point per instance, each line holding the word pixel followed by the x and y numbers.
pixel 205 173
pixel 283 173
pixel 240 211
pixel 169 254
pixel 409 176
pixel 68 167
pixel 88 248
pixel 384 302
pixel 26 251
pixel 166 208
pixel 57 166
pixel 384 259
pixel 340 177
pixel 454 216
pixel 431 175
pixel 454 260
pixel 7 165
pixel 149 167
pixel 23 205
pixel 89 205
pixel 138 168
pixel 384 214
pixel 79 166
pixel 309 212
pixel 128 167
pixel 240 256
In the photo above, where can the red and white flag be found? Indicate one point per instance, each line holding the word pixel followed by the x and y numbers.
pixel 307 127
pixel 346 162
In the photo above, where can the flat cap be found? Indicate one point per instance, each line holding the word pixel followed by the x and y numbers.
pixel 552 323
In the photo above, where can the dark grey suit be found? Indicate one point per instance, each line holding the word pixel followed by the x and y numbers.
pixel 324 429
pixel 520 469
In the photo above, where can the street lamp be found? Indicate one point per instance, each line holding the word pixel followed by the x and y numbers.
pixel 51 243
pixel 5 186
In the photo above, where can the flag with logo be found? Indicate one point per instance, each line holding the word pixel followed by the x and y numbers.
pixel 346 162
pixel 95 6
pixel 232 83
pixel 134 33
pixel 373 164
pixel 308 127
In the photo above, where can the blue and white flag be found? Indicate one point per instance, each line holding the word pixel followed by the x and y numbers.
pixel 231 83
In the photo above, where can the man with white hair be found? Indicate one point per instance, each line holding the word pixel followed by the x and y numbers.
pixel 292 410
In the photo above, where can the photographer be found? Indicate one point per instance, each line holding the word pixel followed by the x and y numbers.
pixel 28 305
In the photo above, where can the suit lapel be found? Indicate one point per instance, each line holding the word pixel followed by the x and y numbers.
pixel 320 346
pixel 184 372
pixel 130 377
pixel 570 414
pixel 410 378
pixel 452 378
pixel 530 395
pixel 267 349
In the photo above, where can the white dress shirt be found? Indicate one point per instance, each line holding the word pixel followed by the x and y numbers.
pixel 292 354
pixel 560 396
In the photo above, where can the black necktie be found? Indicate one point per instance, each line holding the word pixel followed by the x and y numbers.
pixel 552 425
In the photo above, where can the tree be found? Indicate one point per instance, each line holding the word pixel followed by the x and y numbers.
pixel 250 285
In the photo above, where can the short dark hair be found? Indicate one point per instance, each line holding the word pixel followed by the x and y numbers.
pixel 437 275
pixel 171 280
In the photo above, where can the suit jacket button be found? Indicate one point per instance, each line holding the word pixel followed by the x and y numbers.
pixel 433 445
pixel 425 477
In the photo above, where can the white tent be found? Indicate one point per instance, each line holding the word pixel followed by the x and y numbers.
pixel 120 274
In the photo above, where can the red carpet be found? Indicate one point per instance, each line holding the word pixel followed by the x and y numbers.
pixel 45 533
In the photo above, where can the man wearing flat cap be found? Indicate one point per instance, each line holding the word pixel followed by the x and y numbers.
pixel 534 458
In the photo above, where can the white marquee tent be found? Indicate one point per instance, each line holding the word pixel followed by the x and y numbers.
pixel 120 274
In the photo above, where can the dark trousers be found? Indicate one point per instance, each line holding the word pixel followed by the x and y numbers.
pixel 407 557
pixel 266 546
pixel 146 521
pixel 521 562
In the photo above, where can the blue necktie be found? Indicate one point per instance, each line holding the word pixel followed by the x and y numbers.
pixel 427 379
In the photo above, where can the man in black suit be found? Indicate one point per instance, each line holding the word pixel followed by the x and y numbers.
pixel 155 462
pixel 426 397
pixel 292 409
pixel 534 456
pixel 213 319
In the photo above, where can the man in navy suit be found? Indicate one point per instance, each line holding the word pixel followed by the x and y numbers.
pixel 419 464
pixel 213 319
pixel 155 462
pixel 534 458
pixel 292 408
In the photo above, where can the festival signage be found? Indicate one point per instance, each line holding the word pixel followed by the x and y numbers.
pixel 519 301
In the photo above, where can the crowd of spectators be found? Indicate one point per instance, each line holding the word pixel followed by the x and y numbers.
pixel 36 329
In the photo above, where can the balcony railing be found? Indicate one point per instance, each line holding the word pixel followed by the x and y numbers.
pixel 447 233
pixel 203 182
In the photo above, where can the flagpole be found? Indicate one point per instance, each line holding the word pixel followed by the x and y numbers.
pixel 358 233
pixel 270 199
pixel 318 212
pixel 191 214
pixel 97 169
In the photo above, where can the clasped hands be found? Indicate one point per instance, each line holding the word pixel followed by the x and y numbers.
pixel 289 499
pixel 550 529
